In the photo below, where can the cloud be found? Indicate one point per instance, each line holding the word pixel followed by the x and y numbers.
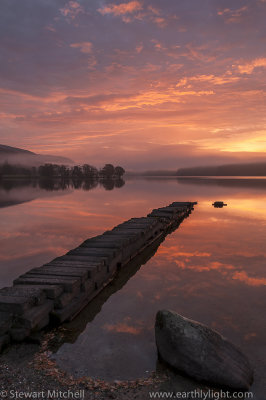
pixel 121 9
pixel 213 79
pixel 85 47
pixel 248 68
pixel 134 11
pixel 72 9
pixel 161 84
pixel 139 48
pixel 155 10
pixel 97 99
pixel 161 22
pixel 199 53
pixel 232 16
pixel 251 281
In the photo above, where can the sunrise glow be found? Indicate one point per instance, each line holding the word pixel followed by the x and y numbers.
pixel 149 84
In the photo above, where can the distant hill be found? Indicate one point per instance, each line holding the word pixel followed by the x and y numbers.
pixel 252 169
pixel 14 155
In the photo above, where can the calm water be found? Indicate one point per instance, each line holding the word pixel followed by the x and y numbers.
pixel 211 269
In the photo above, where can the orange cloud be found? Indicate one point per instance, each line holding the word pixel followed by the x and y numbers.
pixel 85 47
pixel 121 9
pixel 213 79
pixel 243 277
pixel 133 11
pixel 248 68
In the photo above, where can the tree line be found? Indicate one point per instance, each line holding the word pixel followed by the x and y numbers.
pixel 63 172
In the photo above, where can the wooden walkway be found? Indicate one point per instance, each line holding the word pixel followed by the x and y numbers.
pixel 58 291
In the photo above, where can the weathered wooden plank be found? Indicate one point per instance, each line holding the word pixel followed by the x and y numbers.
pixel 145 220
pixel 142 221
pixel 67 284
pixel 51 291
pixel 129 230
pixel 161 214
pixel 95 258
pixel 91 271
pixel 171 210
pixel 83 275
pixel 15 304
pixel 144 228
pixel 36 295
pixel 123 235
pixel 131 236
pixel 73 281
pixel 184 204
pixel 91 251
pixel 75 263
pixel 116 241
pixel 109 244
pixel 35 317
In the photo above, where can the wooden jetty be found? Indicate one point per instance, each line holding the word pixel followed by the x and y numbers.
pixel 58 291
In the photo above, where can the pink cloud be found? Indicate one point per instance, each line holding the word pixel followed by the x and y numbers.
pixel 232 16
pixel 154 10
pixel 72 9
pixel 159 21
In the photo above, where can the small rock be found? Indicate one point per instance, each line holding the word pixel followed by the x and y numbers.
pixel 201 352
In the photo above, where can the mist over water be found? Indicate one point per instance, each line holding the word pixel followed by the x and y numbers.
pixel 211 269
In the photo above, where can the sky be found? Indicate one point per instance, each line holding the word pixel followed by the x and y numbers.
pixel 147 84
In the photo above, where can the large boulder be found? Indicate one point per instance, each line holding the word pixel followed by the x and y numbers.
pixel 201 352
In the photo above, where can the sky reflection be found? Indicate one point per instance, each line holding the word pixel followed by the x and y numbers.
pixel 211 269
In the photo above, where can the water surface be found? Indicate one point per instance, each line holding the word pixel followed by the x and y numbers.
pixel 211 269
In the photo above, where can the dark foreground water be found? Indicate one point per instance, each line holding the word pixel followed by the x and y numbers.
pixel 211 269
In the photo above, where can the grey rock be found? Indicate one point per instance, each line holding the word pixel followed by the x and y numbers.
pixel 201 352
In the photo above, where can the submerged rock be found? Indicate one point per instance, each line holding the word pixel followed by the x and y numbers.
pixel 201 352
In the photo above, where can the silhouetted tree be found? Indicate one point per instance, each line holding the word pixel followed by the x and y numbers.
pixel 119 171
pixel 63 172
pixel 46 170
pixel 108 170
pixel 76 172
pixel 89 171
